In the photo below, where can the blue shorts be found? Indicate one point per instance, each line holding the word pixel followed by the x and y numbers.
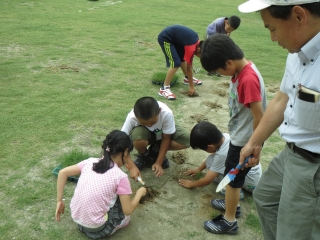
pixel 231 162
pixel 172 55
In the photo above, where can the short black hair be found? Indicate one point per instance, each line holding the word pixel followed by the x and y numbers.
pixel 234 22
pixel 284 12
pixel 217 50
pixel 146 108
pixel 203 134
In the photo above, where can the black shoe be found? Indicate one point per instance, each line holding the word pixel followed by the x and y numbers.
pixel 165 163
pixel 140 162
pixel 153 152
pixel 220 225
pixel 220 204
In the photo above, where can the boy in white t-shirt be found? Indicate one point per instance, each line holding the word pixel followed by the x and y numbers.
pixel 207 136
pixel 151 122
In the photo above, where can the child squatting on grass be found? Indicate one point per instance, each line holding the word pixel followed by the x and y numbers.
pixel 101 202
pixel 223 25
pixel 179 45
pixel 151 122
pixel 207 137
pixel 247 102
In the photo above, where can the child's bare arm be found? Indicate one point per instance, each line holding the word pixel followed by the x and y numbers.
pixel 192 172
pixel 257 113
pixel 190 78
pixel 61 182
pixel 206 180
pixel 128 205
pixel 165 142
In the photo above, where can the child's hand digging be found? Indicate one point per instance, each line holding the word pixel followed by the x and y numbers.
pixel 157 168
pixel 141 192
pixel 192 172
pixel 185 183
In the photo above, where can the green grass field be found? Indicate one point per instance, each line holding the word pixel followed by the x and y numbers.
pixel 71 71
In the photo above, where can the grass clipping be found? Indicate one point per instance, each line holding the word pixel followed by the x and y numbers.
pixel 159 77
pixel 72 158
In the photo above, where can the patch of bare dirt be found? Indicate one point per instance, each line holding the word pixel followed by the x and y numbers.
pixel 147 44
pixel 220 92
pixel 199 117
pixel 185 93
pixel 272 88
pixel 212 104
pixel 63 67
pixel 179 157
pixel 225 84
pixel 150 196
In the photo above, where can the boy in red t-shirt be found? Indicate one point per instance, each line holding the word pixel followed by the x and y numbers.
pixel 179 45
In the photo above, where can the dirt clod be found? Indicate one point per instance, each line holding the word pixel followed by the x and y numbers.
pixel 149 197
pixel 199 117
pixel 187 94
pixel 212 104
pixel 179 157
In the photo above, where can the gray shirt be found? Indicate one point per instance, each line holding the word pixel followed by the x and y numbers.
pixel 245 88
pixel 217 26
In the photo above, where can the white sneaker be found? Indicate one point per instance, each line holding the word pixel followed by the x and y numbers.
pixel 195 81
pixel 167 94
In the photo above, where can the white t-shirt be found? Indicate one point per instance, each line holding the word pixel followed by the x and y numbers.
pixel 165 122
pixel 216 163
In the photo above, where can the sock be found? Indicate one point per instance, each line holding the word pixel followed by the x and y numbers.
pixel 229 221
pixel 165 87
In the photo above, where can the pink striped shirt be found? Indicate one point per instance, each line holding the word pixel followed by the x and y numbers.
pixel 96 193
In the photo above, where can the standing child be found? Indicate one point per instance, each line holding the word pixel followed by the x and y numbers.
pixel 247 102
pixel 223 25
pixel 152 122
pixel 179 45
pixel 101 202
pixel 207 137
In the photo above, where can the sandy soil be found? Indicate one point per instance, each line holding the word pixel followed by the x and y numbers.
pixel 171 211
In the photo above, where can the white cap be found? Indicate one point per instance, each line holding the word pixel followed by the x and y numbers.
pixel 257 5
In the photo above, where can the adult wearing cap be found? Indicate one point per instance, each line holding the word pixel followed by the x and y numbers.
pixel 287 196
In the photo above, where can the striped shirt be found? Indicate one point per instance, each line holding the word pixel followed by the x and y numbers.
pixel 301 123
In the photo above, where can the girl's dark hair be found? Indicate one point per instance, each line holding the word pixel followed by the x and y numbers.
pixel 217 50
pixel 146 108
pixel 203 134
pixel 284 12
pixel 115 142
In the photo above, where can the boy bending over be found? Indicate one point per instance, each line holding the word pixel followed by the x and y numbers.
pixel 179 45
pixel 151 122
pixel 207 137
pixel 247 102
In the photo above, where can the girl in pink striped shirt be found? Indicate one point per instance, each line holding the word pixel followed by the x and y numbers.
pixel 101 203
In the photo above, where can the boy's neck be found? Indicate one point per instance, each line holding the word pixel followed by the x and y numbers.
pixel 240 64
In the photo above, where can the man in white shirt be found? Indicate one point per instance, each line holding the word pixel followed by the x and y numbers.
pixel 287 195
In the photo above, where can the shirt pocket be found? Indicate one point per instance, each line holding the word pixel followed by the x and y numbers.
pixel 307 114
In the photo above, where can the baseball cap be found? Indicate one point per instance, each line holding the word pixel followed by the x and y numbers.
pixel 257 5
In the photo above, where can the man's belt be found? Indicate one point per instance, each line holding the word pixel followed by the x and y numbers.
pixel 310 156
